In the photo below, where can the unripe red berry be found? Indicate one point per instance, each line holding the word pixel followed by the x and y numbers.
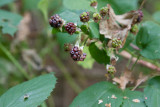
pixel 103 11
pixel 70 28
pixel 84 17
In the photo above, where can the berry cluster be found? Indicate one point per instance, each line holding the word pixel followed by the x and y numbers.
pixel 96 17
pixel 116 43
pixel 77 54
pixel 70 28
pixel 103 11
pixel 84 17
pixel 55 21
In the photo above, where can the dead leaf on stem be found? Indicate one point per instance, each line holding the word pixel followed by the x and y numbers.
pixel 124 79
pixel 117 26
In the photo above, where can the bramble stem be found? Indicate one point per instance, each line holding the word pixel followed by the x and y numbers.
pixel 135 62
pixel 14 61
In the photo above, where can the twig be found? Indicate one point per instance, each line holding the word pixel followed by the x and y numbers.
pixel 144 63
pixel 142 4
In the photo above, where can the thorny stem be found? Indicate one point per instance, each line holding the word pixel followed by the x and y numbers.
pixel 135 62
pixel 14 61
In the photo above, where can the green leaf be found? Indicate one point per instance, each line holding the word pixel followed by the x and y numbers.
pixel 156 16
pixel 70 16
pixel 108 93
pixel 4 2
pixel 94 30
pixel 9 22
pixel 30 4
pixel 63 38
pixel 35 90
pixel 77 4
pixel 148 40
pixel 132 95
pixel 99 91
pixel 152 92
pixel 99 55
pixel 119 6
pixel 43 6
pixel 89 61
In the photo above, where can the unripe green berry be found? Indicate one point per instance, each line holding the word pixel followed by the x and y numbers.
pixel 134 29
pixel 111 69
pixel 116 43
pixel 104 11
pixel 84 17
pixel 94 3
pixel 96 17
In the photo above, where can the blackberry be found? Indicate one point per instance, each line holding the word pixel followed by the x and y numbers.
pixel 84 17
pixel 103 11
pixel 94 3
pixel 55 21
pixel 77 54
pixel 96 17
pixel 70 28
pixel 116 43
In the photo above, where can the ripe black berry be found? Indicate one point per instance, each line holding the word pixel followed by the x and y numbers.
pixel 55 21
pixel 70 28
pixel 84 17
pixel 77 54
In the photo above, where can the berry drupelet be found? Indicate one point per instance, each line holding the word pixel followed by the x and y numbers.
pixel 84 17
pixel 70 28
pixel 55 21
pixel 77 54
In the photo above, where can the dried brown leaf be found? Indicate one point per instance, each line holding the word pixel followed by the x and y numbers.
pixel 117 26
pixel 142 78
pixel 124 79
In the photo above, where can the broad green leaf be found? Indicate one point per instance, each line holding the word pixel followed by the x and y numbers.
pixel 9 22
pixel 77 4
pixel 94 30
pixel 152 92
pixel 108 93
pixel 156 16
pixel 89 61
pixel 99 91
pixel 4 2
pixel 131 96
pixel 36 90
pixel 148 40
pixel 99 55
pixel 70 16
pixel 43 6
pixel 119 6
pixel 124 5
pixel 66 38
